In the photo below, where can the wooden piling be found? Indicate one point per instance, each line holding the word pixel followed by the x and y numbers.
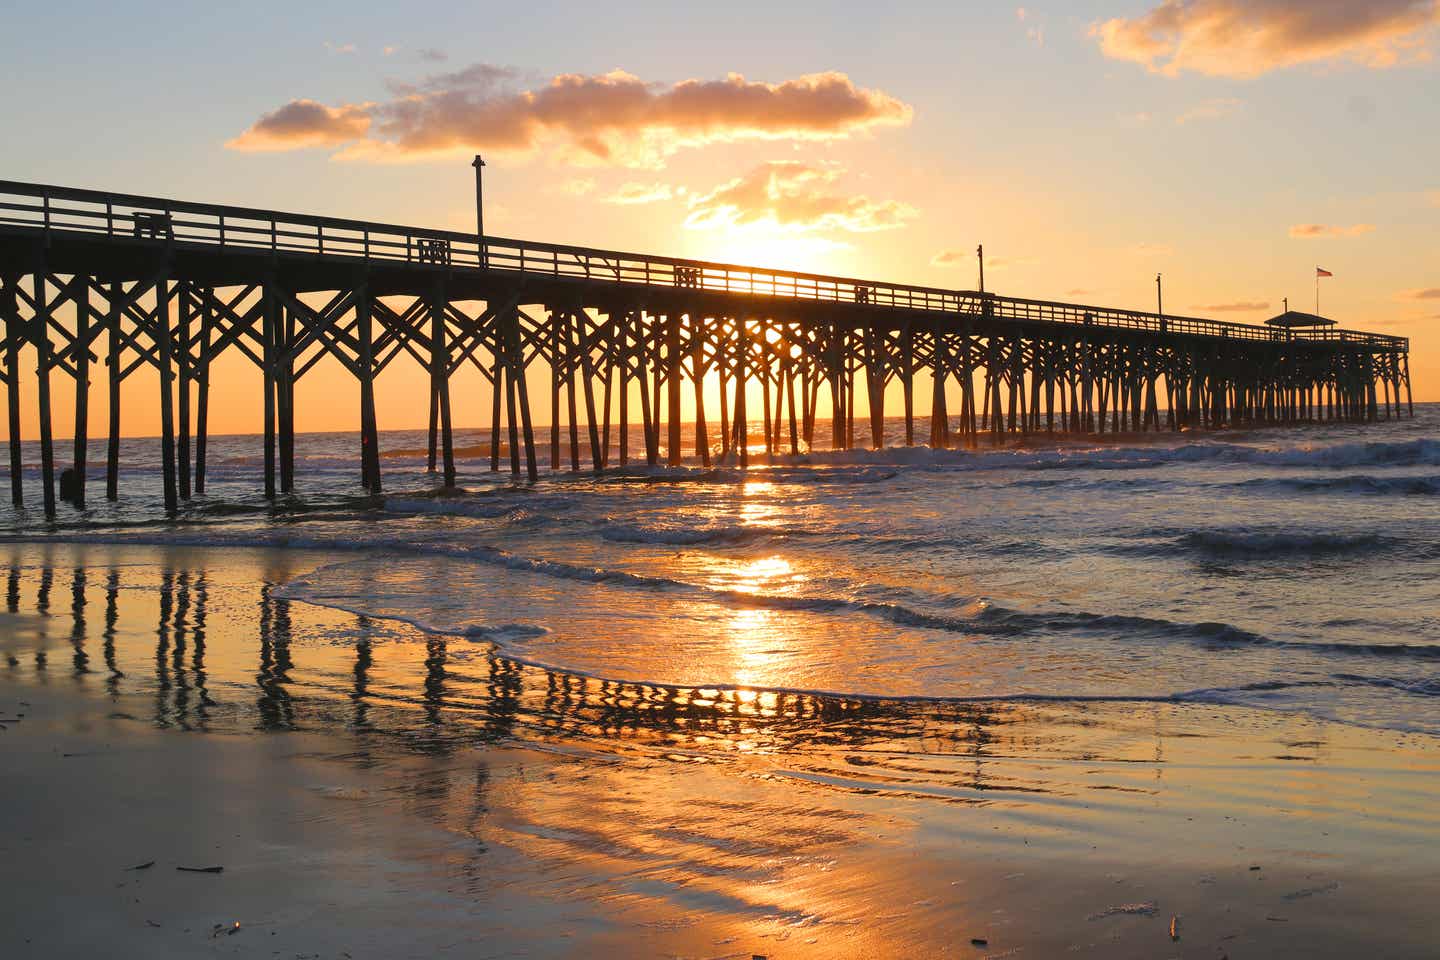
pixel 82 387
pixel 182 379
pixel 14 337
pixel 697 370
pixel 164 353
pixel 114 360
pixel 517 376
pixel 285 396
pixel 40 334
pixel 369 433
pixel 269 322
pixel 440 382
pixel 202 388
pixel 587 369
pixel 672 384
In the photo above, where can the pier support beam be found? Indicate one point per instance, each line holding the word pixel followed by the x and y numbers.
pixel 14 338
pixel 369 434
pixel 40 334
pixel 82 387
pixel 164 354
pixel 269 323
pixel 440 384
pixel 114 360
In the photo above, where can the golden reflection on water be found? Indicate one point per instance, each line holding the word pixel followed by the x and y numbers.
pixel 755 512
pixel 759 636
pixel 766 573
pixel 755 640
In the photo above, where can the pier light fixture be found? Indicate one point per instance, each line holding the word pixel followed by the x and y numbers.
pixel 479 164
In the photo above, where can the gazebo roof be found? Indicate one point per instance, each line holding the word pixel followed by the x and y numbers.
pixel 1294 318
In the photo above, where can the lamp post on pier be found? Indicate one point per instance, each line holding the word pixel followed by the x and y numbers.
pixel 1160 303
pixel 479 164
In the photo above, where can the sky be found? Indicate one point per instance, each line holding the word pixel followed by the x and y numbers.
pixel 1231 146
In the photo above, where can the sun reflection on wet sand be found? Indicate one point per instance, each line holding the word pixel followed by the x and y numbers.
pixel 717 821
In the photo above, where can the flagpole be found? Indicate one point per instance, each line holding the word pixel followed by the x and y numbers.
pixel 1317 291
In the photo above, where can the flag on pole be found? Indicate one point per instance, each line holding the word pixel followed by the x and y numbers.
pixel 1322 273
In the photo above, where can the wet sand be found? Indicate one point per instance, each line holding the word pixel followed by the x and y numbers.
pixel 375 792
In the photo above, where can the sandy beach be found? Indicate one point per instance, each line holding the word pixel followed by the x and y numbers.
pixel 370 793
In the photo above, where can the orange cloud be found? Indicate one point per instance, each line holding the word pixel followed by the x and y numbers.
pixel 1245 38
pixel 1431 293
pixel 304 123
pixel 1313 231
pixel 793 196
pixel 612 118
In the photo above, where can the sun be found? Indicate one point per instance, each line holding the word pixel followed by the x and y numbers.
pixel 769 248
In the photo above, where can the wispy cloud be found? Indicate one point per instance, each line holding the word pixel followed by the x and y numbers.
pixel 950 258
pixel 1034 29
pixel 613 118
pixel 339 47
pixel 630 194
pixel 1321 231
pixel 1245 38
pixel 1152 249
pixel 432 54
pixel 796 197
pixel 1433 196
pixel 1212 109
pixel 1426 293
pixel 1005 263
pixel 1239 306
pixel 578 186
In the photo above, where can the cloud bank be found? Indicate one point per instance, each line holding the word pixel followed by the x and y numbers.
pixel 612 118
pixel 1245 38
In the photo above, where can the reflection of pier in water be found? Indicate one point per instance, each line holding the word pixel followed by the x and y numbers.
pixel 456 694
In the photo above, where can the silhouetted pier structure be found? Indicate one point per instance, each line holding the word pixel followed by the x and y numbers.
pixel 172 285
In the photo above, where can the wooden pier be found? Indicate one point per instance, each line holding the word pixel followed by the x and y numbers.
pixel 173 285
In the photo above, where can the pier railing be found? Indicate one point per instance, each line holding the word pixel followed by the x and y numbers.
pixel 155 220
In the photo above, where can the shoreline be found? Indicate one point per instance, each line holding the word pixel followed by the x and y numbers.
pixel 377 791
pixel 312 556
